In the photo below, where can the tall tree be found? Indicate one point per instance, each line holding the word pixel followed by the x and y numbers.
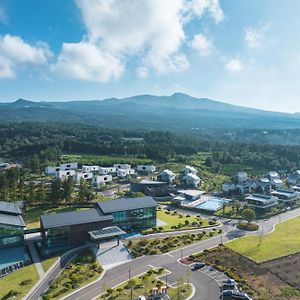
pixel 55 191
pixel 68 187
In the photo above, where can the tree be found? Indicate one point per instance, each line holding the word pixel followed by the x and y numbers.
pixel 31 195
pixel 41 194
pixel 55 191
pixel 68 187
pixel 249 214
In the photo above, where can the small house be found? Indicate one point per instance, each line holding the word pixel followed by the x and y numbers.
pixel 167 176
pixel 147 169
pixel 191 180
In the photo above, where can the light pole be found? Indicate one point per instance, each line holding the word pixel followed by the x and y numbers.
pixel 181 253
pixel 129 281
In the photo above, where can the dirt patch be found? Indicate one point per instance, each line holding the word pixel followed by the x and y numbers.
pixel 257 280
pixel 287 268
pixel 186 261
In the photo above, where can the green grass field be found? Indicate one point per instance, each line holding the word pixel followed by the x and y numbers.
pixel 283 241
pixel 48 262
pixel 13 282
pixel 32 215
pixel 172 219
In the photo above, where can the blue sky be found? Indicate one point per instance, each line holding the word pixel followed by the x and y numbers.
pixel 244 52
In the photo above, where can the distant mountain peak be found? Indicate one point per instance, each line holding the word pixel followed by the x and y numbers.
pixel 21 102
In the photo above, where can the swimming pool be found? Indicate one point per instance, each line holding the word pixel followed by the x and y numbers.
pixel 213 204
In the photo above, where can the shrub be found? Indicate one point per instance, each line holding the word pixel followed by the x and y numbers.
pixel 26 281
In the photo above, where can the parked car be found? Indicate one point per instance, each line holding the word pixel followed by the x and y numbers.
pixel 198 265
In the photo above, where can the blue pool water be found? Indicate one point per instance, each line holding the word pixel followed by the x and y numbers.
pixel 213 204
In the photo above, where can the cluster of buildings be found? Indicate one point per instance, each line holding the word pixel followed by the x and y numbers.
pixel 62 231
pixel 188 177
pixel 241 183
pixel 266 192
pixel 97 174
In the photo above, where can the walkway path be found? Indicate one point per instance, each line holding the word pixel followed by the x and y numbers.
pixel 35 258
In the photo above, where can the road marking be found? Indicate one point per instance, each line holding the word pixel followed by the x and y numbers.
pixel 169 254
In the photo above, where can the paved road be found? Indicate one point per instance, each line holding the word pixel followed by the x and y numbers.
pixel 207 288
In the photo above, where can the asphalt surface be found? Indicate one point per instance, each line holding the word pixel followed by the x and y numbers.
pixel 207 286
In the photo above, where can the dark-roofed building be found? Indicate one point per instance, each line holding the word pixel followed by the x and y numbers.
pixel 11 225
pixel 131 213
pixel 72 228
pixel 152 188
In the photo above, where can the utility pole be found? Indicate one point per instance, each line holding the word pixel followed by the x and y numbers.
pixel 181 253
pixel 129 276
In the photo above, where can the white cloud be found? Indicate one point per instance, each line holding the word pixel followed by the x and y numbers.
pixel 142 72
pixel 149 31
pixel 202 45
pixel 199 7
pixel 252 38
pixel 6 69
pixel 234 65
pixel 14 53
pixel 3 16
pixel 84 61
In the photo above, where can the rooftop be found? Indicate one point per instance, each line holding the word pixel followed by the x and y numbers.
pixel 284 192
pixel 15 220
pixel 149 182
pixel 191 193
pixel 9 208
pixel 73 218
pixel 124 204
pixel 261 198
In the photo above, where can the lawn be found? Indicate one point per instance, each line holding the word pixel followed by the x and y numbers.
pixel 19 283
pixel 48 262
pixel 142 285
pixel 32 215
pixel 174 218
pixel 155 246
pixel 283 241
pixel 82 270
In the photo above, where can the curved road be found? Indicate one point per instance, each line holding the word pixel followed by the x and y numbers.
pixel 206 287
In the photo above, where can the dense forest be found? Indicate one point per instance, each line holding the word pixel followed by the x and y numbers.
pixel 40 143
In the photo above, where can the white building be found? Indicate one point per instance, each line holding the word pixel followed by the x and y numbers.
pixel 122 166
pixel 146 168
pixel 241 177
pixel 64 174
pixel 107 170
pixel 82 175
pixel 167 176
pixel 188 170
pixel 69 166
pixel 191 180
pixel 191 195
pixel 88 169
pixel 294 178
pixel 122 173
pixel 273 175
pixel 54 171
pixel 100 180
pixel 263 202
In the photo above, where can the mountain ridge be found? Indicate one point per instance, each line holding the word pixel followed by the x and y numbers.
pixel 177 112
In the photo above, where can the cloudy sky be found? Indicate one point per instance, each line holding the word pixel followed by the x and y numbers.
pixel 241 52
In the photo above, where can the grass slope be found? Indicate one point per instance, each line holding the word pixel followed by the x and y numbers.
pixel 13 282
pixel 284 240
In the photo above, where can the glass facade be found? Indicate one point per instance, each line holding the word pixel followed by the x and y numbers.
pixel 136 219
pixel 59 236
pixel 11 236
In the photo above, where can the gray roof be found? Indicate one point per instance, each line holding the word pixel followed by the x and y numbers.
pixel 123 204
pixel 9 208
pixel 15 220
pixel 73 218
